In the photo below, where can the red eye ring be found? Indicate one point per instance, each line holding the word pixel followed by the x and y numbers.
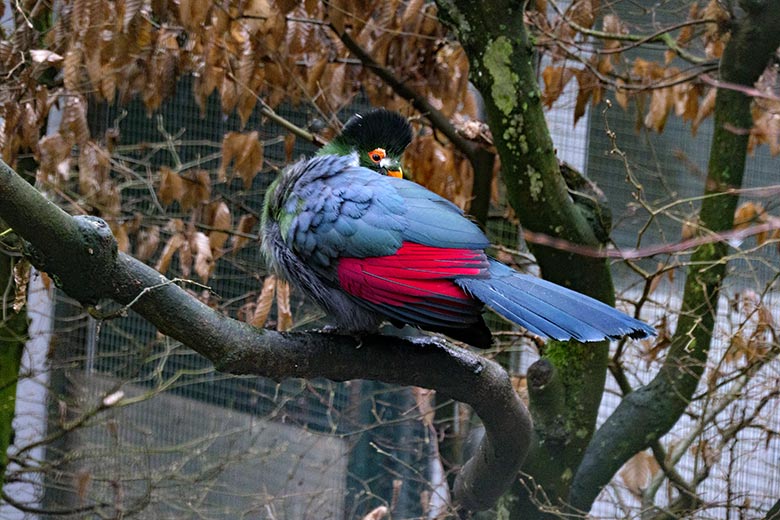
pixel 377 155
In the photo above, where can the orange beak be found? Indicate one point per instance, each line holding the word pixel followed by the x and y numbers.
pixel 392 167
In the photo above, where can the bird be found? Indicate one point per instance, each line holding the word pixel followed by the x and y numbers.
pixel 369 247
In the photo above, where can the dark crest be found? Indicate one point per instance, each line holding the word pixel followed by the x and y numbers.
pixel 378 128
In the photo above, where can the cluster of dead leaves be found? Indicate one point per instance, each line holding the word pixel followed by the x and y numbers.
pixel 207 236
pixel 754 338
pixel 245 151
pixel 658 88
pixel 440 168
pixel 248 51
pixel 257 313
pixel 751 213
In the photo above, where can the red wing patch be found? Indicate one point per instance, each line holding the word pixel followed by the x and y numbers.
pixel 418 278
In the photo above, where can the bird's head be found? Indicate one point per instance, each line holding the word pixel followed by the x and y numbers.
pixel 379 138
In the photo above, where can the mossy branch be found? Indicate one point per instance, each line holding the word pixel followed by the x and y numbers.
pixel 501 57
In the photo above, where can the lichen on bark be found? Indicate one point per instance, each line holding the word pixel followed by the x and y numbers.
pixel 498 63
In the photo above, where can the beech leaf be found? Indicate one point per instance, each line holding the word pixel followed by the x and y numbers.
pixel 264 302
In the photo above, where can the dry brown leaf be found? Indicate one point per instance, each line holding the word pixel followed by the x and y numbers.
pixel 204 260
pixel 245 81
pixel 162 70
pixel 121 235
pixel 31 126
pixel 661 102
pixel 220 218
pixel 706 452
pixel 766 130
pixel 277 82
pixel 289 147
pixel 284 319
pixel 686 100
pixel 206 82
pixel 54 157
pixel 186 256
pixel 555 80
pixel 264 302
pixel 656 279
pixel 765 316
pixel 74 127
pixel 334 86
pixel 94 68
pixel 245 151
pixel 706 108
pixel 228 92
pixel 71 68
pixel 614 25
pixel 146 242
pixel 197 189
pixel 749 213
pixel 716 34
pixel 21 279
pixel 638 472
pixel 582 12
pixel 94 173
pixel 171 247
pixel 686 33
pixel 126 11
pixel 737 348
pixel 193 13
pixel 337 10
pixel 171 186
pixel 588 84
pixel 314 74
pixel 108 200
pixel 83 481
pixel 245 225
pixel 690 228
pixel 648 72
pixel 411 15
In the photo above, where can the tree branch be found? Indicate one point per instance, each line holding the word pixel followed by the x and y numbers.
pixel 80 254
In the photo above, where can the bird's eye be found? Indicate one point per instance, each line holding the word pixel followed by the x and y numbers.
pixel 377 155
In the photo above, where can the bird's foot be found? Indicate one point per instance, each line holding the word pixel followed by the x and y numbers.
pixel 332 329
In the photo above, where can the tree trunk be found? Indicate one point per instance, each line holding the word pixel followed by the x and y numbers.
pixel 501 60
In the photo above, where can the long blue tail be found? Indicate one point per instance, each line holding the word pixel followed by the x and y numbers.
pixel 550 310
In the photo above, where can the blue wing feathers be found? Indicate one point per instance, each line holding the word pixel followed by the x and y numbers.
pixel 374 214
pixel 549 309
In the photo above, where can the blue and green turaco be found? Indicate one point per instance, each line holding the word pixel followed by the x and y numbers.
pixel 368 246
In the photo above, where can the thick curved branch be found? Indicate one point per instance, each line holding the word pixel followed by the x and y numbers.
pixel 80 253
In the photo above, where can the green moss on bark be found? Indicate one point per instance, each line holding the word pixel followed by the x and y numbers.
pixel 496 42
pixel 13 333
